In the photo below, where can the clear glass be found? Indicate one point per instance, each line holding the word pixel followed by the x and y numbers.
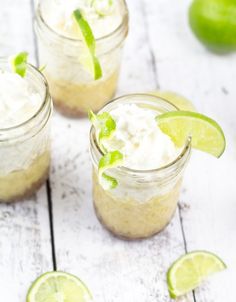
pixel 73 89
pixel 25 148
pixel 144 201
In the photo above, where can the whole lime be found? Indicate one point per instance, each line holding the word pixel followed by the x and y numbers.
pixel 214 23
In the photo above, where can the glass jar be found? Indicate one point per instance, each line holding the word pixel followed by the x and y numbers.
pixel 144 201
pixel 25 148
pixel 73 89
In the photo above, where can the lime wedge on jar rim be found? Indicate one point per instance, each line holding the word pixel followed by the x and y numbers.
pixel 89 59
pixel 57 287
pixel 206 134
pixel 178 100
pixel 190 270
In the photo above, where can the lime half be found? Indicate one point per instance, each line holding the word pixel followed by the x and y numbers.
pixel 58 287
pixel 206 134
pixel 88 59
pixel 176 99
pixel 190 270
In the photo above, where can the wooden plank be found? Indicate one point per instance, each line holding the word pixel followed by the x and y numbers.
pixel 208 204
pixel 25 249
pixel 114 270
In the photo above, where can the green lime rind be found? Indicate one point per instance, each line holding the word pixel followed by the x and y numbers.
pixel 19 63
pixel 104 125
pixel 109 160
pixel 91 61
pixel 102 7
pixel 206 134
pixel 58 286
pixel 108 182
pixel 190 270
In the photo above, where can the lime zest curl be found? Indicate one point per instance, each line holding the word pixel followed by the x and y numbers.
pixel 109 160
pixel 91 61
pixel 104 124
pixel 19 63
pixel 105 127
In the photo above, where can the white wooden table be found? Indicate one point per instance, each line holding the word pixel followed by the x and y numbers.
pixel 57 229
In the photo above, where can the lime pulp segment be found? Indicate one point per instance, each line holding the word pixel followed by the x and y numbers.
pixel 190 270
pixel 57 287
pixel 206 134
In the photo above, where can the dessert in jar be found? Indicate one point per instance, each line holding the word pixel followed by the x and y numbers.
pixel 81 76
pixel 137 196
pixel 25 111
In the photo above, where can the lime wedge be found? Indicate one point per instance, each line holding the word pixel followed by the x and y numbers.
pixel 103 7
pixel 89 60
pixel 178 100
pixel 19 63
pixel 57 287
pixel 190 270
pixel 205 133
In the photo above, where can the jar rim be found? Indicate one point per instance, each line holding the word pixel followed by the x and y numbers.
pixel 36 71
pixel 74 40
pixel 184 153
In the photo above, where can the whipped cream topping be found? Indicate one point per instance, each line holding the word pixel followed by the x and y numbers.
pixel 58 14
pixel 139 138
pixel 18 102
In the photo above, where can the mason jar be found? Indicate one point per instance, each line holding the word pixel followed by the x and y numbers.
pixel 25 148
pixel 73 88
pixel 144 201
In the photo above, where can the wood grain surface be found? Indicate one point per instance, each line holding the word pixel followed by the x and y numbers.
pixel 58 229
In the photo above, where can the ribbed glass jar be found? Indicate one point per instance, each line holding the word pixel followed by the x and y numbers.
pixel 144 201
pixel 25 148
pixel 73 88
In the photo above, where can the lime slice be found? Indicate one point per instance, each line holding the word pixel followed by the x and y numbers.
pixel 190 270
pixel 19 63
pixel 57 287
pixel 178 100
pixel 90 61
pixel 206 135
pixel 103 7
pixel 108 161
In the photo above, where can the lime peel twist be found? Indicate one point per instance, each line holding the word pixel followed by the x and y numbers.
pixel 104 124
pixel 91 62
pixel 109 160
pixel 105 127
pixel 19 63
